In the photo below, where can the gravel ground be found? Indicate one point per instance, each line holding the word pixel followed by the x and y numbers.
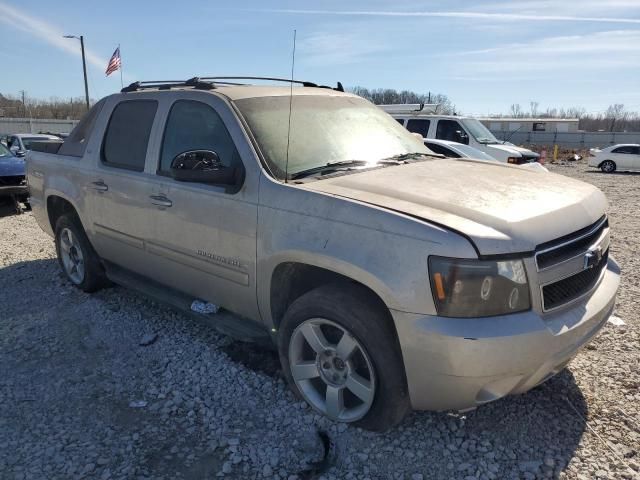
pixel 81 398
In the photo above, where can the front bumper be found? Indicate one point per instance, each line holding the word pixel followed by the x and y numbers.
pixel 17 191
pixel 460 363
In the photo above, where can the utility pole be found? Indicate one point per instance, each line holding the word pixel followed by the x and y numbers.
pixel 84 66
pixel 84 70
pixel 24 105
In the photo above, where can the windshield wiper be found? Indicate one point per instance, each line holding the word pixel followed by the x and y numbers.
pixel 327 167
pixel 400 158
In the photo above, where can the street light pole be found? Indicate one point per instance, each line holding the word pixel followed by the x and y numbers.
pixel 84 67
pixel 84 71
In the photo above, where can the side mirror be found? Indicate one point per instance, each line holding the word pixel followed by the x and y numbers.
pixel 202 166
pixel 20 153
pixel 462 136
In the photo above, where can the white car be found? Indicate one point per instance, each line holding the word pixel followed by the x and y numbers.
pixel 616 157
pixel 20 143
pixel 417 118
pixel 460 150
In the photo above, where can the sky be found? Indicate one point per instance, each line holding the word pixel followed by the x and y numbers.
pixel 485 55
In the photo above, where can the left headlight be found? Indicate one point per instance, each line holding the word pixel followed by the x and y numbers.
pixel 478 288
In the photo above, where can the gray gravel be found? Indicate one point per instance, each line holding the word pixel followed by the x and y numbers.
pixel 114 386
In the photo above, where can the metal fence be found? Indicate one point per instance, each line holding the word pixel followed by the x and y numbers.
pixel 35 125
pixel 569 140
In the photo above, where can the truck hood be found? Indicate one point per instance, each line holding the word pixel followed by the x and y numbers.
pixel 11 166
pixel 512 149
pixel 502 208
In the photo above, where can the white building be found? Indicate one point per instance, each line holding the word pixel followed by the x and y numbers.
pixel 525 125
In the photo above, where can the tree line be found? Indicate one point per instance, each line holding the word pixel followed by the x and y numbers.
pixel 56 108
pixel 616 118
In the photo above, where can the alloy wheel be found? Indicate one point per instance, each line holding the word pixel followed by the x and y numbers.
pixel 332 370
pixel 71 256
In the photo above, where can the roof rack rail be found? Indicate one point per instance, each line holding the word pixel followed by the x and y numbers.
pixel 209 83
pixel 338 87
pixel 194 82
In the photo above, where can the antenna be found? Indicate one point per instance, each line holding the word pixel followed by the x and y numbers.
pixel 293 64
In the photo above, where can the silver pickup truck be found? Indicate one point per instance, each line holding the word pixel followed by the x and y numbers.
pixel 388 277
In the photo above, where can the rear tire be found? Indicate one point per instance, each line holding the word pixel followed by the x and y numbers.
pixel 608 166
pixel 355 372
pixel 77 258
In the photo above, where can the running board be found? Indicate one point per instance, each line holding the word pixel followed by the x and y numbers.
pixel 225 322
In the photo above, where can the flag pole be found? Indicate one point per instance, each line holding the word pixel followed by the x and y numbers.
pixel 121 84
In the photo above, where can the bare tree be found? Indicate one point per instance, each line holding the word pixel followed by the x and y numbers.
pixel 390 96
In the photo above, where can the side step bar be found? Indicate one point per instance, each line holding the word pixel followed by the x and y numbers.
pixel 223 321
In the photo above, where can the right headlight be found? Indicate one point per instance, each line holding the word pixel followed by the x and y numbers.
pixel 478 288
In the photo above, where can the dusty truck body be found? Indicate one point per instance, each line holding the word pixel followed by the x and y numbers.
pixel 388 277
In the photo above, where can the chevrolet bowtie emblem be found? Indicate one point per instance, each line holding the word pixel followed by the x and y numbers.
pixel 592 257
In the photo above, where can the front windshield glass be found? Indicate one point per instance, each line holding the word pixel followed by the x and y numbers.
pixel 324 129
pixel 4 151
pixel 479 131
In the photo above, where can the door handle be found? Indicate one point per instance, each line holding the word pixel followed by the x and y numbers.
pixel 160 200
pixel 99 186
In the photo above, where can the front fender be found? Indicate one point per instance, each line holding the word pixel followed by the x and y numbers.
pixel 385 251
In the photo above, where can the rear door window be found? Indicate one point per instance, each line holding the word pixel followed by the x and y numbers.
pixel 127 137
pixel 419 126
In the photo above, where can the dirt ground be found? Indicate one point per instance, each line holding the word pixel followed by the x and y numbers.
pixel 81 398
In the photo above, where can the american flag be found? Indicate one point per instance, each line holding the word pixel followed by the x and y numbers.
pixel 115 63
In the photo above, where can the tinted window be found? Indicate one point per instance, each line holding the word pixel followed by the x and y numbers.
pixel 442 150
pixel 451 130
pixel 419 126
pixel 400 121
pixel 196 126
pixel 76 143
pixel 627 149
pixel 127 137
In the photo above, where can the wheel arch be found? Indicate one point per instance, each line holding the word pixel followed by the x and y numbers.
pixel 291 279
pixel 58 205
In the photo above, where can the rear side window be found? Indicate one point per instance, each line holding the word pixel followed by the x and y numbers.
pixel 76 143
pixel 125 142
pixel 419 126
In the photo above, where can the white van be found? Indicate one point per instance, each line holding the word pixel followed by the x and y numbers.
pixel 419 118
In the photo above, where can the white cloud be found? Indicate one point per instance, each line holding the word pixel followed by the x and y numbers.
pixel 493 16
pixel 331 48
pixel 565 55
pixel 47 32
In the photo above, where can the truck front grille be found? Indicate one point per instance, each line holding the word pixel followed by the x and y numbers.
pixel 570 288
pixel 577 243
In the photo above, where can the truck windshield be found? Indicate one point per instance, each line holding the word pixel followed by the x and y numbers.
pixel 324 130
pixel 4 151
pixel 479 131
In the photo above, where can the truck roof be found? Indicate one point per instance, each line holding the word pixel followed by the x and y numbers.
pixel 238 91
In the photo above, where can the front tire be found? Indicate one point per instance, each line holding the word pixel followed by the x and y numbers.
pixel 339 352
pixel 78 260
pixel 608 166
